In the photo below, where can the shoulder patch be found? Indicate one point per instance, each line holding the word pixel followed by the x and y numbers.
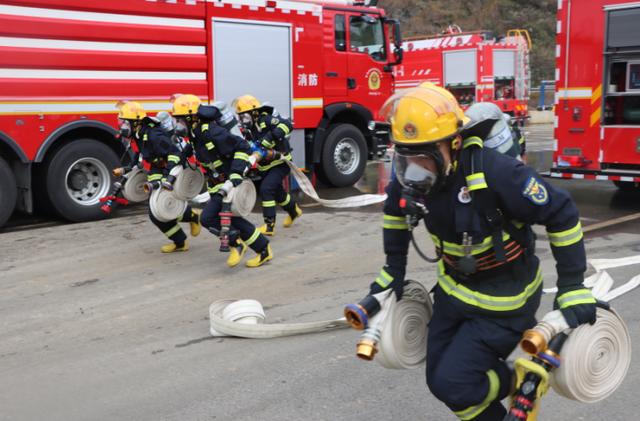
pixel 274 121
pixel 535 191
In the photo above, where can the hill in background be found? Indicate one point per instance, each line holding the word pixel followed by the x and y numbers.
pixel 537 16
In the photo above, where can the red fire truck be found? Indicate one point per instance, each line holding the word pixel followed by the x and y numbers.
pixel 65 63
pixel 597 105
pixel 474 66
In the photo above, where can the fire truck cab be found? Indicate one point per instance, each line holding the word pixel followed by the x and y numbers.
pixel 475 66
pixel 328 65
pixel 597 105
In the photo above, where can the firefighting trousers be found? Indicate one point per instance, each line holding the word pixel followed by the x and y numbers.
pixel 466 355
pixel 172 229
pixel 240 227
pixel 273 193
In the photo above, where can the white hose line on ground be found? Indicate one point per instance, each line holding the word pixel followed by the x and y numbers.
pixel 347 202
pixel 245 319
pixel 402 328
pixel 595 359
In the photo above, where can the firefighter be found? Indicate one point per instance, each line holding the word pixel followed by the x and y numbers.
pixel 225 157
pixel 479 206
pixel 270 135
pixel 161 153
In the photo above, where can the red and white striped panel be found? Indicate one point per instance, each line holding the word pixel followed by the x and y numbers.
pixel 599 177
pixel 89 53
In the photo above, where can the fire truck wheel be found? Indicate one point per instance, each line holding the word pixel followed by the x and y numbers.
pixel 344 155
pixel 627 185
pixel 77 176
pixel 8 192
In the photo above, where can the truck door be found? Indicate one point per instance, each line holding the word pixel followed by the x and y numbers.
pixel 367 81
pixel 460 74
pixel 335 56
pixel 243 66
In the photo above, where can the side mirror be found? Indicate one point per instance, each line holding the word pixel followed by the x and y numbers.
pixel 394 27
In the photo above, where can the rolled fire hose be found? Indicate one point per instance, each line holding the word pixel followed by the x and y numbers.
pixel 164 205
pixel 242 198
pixel 245 319
pixel 188 182
pixel 595 359
pixel 133 189
pixel 398 332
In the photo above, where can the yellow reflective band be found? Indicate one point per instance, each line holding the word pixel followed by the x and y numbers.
pixel 572 298
pixel 217 163
pixel 284 128
pixel 384 279
pixel 286 201
pixel 287 157
pixel 241 156
pixel 172 231
pixel 472 141
pixel 215 188
pixel 253 238
pixel 395 222
pixel 521 140
pixel 567 237
pixel 268 144
pixel 263 125
pixel 173 158
pixel 476 181
pixel 517 224
pixel 154 177
pixel 204 127
pixel 209 146
pixel 475 410
pixel 145 137
pixel 484 301
pixel 235 176
pixel 454 249
pixel 269 204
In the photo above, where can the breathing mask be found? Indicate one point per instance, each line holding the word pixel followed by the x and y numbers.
pixel 420 170
pixel 125 131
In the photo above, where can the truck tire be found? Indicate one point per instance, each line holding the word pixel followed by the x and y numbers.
pixel 8 192
pixel 627 185
pixel 77 176
pixel 344 155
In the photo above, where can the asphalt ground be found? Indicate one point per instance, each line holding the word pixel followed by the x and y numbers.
pixel 97 324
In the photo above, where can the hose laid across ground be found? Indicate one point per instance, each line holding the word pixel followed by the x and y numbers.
pixel 245 319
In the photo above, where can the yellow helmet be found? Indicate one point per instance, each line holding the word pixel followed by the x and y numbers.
pixel 184 104
pixel 130 110
pixel 424 114
pixel 246 103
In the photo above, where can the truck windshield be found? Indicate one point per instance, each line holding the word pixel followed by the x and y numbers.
pixel 366 36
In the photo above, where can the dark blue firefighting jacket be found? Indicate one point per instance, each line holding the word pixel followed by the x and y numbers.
pixel 524 199
pixel 157 148
pixel 273 133
pixel 224 155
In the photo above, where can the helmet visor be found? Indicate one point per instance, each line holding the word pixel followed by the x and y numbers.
pixel 418 170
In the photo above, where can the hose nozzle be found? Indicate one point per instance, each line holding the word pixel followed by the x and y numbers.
pixel 358 315
pixel 533 341
pixel 366 349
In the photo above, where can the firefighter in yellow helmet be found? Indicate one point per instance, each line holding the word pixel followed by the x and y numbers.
pixel 269 133
pixel 225 157
pixel 478 206
pixel 157 148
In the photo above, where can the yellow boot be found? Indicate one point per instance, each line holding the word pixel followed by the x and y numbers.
pixel 170 248
pixel 262 257
pixel 195 225
pixel 288 220
pixel 236 253
pixel 269 228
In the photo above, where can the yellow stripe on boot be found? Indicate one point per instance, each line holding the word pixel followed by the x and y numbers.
pixel 288 220
pixel 261 258
pixel 172 247
pixel 269 228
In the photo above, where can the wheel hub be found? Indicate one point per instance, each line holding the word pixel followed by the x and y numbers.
pixel 87 181
pixel 346 156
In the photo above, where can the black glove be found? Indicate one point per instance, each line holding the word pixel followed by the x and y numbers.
pixel 576 304
pixel 236 181
pixel 384 278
